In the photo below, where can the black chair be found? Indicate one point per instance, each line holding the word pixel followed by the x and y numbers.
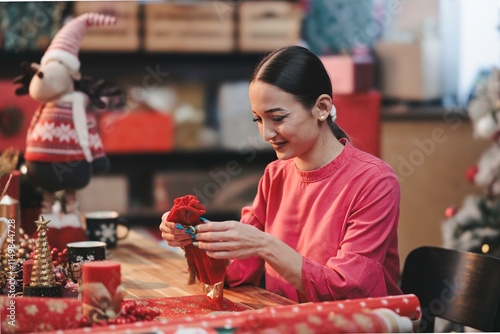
pixel 457 286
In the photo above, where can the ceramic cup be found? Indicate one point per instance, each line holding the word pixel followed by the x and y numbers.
pixel 103 225
pixel 81 252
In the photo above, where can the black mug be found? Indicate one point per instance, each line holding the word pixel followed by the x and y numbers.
pixel 84 251
pixel 102 226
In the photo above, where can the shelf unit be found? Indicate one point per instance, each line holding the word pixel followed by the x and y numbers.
pixel 140 169
pixel 122 69
pixel 211 69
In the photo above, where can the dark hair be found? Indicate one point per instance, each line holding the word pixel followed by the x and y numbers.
pixel 297 71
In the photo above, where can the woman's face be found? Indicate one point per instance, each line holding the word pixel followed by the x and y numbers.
pixel 291 129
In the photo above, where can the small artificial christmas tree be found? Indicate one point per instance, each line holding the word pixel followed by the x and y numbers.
pixel 476 226
pixel 43 282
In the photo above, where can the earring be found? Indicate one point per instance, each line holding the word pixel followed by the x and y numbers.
pixel 322 118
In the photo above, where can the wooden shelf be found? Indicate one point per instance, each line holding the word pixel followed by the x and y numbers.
pixel 208 67
pixel 153 218
pixel 141 168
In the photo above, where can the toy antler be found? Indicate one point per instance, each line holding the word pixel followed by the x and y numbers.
pixel 25 78
pixel 95 89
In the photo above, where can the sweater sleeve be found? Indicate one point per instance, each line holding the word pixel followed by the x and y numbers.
pixel 357 270
pixel 250 270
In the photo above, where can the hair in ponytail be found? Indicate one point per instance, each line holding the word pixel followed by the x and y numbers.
pixel 298 71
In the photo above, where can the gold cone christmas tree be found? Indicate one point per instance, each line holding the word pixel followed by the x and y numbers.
pixel 43 268
pixel 43 282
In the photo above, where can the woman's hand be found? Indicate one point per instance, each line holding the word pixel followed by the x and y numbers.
pixel 230 240
pixel 174 237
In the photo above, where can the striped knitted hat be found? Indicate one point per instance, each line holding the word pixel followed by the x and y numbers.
pixel 66 43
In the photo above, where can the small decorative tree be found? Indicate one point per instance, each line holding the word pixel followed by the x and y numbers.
pixel 475 226
pixel 43 282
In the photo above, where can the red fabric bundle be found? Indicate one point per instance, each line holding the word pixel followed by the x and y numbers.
pixel 187 210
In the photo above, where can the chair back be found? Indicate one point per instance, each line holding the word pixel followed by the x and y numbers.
pixel 461 287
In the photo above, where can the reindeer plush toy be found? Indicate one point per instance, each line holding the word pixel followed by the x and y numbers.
pixel 63 147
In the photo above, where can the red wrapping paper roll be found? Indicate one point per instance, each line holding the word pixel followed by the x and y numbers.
pixel 346 316
pixel 106 272
pixel 35 314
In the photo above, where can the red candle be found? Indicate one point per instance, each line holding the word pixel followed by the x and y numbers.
pixel 105 272
pixel 27 268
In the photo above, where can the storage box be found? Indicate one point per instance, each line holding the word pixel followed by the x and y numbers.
pixel 226 188
pixel 104 193
pixel 122 36
pixel 359 116
pixel 147 131
pixel 410 71
pixel 15 116
pixel 236 132
pixel 349 74
pixel 268 25
pixel 29 26
pixel 192 27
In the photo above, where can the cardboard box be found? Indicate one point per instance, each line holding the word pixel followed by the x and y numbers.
pixel 104 193
pixel 359 116
pixel 123 36
pixel 236 132
pixel 410 71
pixel 190 27
pixel 268 25
pixel 349 74
pixel 225 188
pixel 147 131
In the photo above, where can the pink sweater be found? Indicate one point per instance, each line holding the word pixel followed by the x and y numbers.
pixel 342 218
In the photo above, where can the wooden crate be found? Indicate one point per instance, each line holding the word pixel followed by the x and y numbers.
pixel 123 36
pixel 268 25
pixel 192 27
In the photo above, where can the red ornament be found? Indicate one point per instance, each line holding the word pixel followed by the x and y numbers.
pixel 450 211
pixel 471 173
pixel 60 276
pixel 85 322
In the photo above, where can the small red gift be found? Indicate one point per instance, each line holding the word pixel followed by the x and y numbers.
pixel 187 210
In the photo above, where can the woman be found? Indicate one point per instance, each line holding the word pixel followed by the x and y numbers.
pixel 323 225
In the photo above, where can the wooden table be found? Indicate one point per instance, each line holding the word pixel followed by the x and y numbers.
pixel 150 271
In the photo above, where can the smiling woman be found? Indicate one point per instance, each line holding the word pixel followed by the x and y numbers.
pixel 323 225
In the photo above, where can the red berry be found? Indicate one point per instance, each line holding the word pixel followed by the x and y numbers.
pixel 471 172
pixel 450 212
pixel 85 321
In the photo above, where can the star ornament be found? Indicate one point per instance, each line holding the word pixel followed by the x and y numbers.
pixel 42 223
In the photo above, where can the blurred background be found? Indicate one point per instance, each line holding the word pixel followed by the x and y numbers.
pixel 404 73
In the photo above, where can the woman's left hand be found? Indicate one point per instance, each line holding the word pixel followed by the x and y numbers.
pixel 230 239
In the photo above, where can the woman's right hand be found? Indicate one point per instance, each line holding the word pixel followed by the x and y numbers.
pixel 174 237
